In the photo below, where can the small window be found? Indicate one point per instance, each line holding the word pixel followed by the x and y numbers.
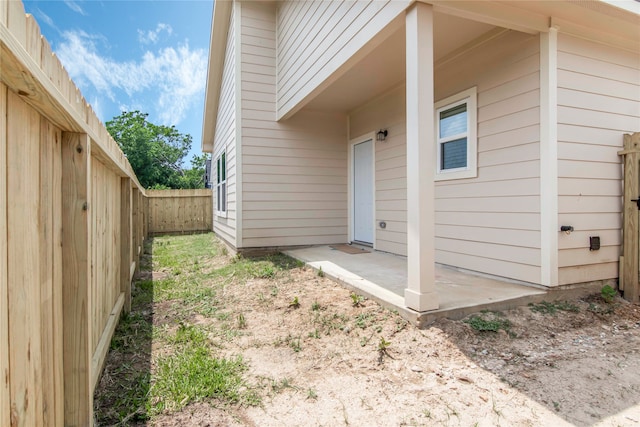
pixel 456 125
pixel 221 185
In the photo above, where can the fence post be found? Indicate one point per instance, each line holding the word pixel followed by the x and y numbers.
pixel 135 225
pixel 125 242
pixel 76 279
pixel 630 228
pixel 4 309
pixel 145 231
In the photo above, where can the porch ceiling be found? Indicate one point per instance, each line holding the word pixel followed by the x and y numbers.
pixel 384 67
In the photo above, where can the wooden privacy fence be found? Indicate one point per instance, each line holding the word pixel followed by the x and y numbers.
pixel 179 211
pixel 72 224
pixel 629 262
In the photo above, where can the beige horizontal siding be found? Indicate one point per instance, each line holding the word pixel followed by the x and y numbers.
pixel 510 219
pixel 225 139
pixel 316 38
pixel 294 173
pixel 598 101
pixel 497 267
pixel 491 223
pixel 588 273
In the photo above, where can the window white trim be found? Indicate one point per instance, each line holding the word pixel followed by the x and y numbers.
pixel 469 97
pixel 220 185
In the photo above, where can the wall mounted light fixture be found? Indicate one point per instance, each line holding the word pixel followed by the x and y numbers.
pixel 382 135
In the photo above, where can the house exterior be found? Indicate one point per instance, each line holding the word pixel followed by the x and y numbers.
pixel 452 132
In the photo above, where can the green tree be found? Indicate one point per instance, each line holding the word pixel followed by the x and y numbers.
pixel 194 177
pixel 155 152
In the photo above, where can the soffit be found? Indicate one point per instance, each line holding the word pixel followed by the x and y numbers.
pixel 384 67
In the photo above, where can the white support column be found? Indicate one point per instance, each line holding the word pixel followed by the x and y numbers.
pixel 549 158
pixel 420 294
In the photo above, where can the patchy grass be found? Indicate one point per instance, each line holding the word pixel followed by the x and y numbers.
pixel 218 340
pixel 545 307
pixel 125 383
pixel 192 375
pixel 488 321
pixel 159 365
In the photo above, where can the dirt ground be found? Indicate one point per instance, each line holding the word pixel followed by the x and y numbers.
pixel 330 362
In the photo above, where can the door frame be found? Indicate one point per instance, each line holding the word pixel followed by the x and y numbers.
pixel 350 190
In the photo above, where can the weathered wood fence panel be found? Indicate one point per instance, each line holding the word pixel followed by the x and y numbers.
pixel 179 211
pixel 72 225
pixel 630 261
pixel 73 219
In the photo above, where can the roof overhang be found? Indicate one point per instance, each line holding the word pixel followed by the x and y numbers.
pixel 615 22
pixel 217 47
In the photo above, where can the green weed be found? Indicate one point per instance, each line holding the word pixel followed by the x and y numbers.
pixel 488 321
pixel 364 319
pixel 242 322
pixel 312 394
pixel 383 347
pixel 356 300
pixel 608 294
pixel 295 303
pixel 545 307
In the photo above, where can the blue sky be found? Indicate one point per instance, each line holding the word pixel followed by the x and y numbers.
pixel 134 55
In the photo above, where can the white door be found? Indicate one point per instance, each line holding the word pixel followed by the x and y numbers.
pixel 363 192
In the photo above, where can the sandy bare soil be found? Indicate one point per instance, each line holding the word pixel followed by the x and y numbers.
pixel 331 362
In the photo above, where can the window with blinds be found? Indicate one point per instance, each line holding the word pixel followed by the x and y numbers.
pixel 456 136
pixel 221 184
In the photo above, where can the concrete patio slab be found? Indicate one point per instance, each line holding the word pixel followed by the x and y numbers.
pixel 383 277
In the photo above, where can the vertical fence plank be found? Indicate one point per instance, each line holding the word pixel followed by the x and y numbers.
pixel 58 323
pixel 3 12
pixel 76 277
pixel 125 241
pixel 4 309
pixel 23 266
pixel 96 273
pixel 46 232
pixel 33 42
pixel 16 21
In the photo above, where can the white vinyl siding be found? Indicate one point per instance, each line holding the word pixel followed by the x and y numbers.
pixel 316 38
pixel 490 223
pixel 225 141
pixel 598 101
pixel 294 172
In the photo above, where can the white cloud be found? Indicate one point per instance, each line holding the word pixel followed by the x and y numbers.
pixel 43 17
pixel 75 7
pixel 96 105
pixel 151 36
pixel 174 77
